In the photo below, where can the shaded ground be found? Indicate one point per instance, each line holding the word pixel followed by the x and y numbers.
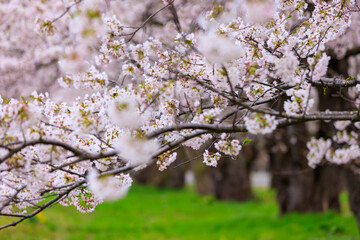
pixel 149 213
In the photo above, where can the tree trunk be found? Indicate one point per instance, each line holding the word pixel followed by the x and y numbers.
pixel 323 196
pixel 290 175
pixel 172 177
pixel 300 188
pixel 353 186
pixel 203 179
pixel 231 178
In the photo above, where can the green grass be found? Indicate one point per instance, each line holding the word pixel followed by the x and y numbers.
pixel 150 213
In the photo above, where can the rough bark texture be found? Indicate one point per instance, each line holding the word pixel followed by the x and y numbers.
pixel 290 175
pixel 353 185
pixel 325 197
pixel 300 188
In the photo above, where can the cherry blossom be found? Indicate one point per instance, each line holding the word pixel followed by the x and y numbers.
pixel 211 159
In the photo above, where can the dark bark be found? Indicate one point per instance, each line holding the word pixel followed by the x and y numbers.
pixel 300 188
pixel 352 173
pixel 171 177
pixel 231 180
pixel 290 175
pixel 203 179
pixel 325 197
pixel 353 186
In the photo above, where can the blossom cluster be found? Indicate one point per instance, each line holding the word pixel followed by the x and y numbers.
pixel 317 149
pixel 227 146
pixel 261 124
pixel 165 160
pixel 211 159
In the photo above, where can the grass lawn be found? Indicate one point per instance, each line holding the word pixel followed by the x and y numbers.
pixel 150 213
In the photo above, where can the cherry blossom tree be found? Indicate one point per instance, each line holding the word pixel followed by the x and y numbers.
pixel 160 75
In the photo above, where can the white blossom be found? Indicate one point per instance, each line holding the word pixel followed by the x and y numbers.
pixel 136 150
pixel 321 67
pixel 343 155
pixel 259 11
pixel 165 159
pixel 124 112
pixel 341 125
pixel 108 188
pixel 227 146
pixel 218 49
pixel 211 159
pixel 261 124
pixel 286 68
pixel 317 149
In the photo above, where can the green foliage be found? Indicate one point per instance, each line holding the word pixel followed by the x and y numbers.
pixel 246 141
pixel 159 214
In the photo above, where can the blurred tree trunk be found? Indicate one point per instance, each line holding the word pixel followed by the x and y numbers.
pixel 329 175
pixel 325 197
pixel 290 174
pixel 353 186
pixel 300 188
pixel 230 180
pixel 172 177
pixel 352 174
pixel 203 179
